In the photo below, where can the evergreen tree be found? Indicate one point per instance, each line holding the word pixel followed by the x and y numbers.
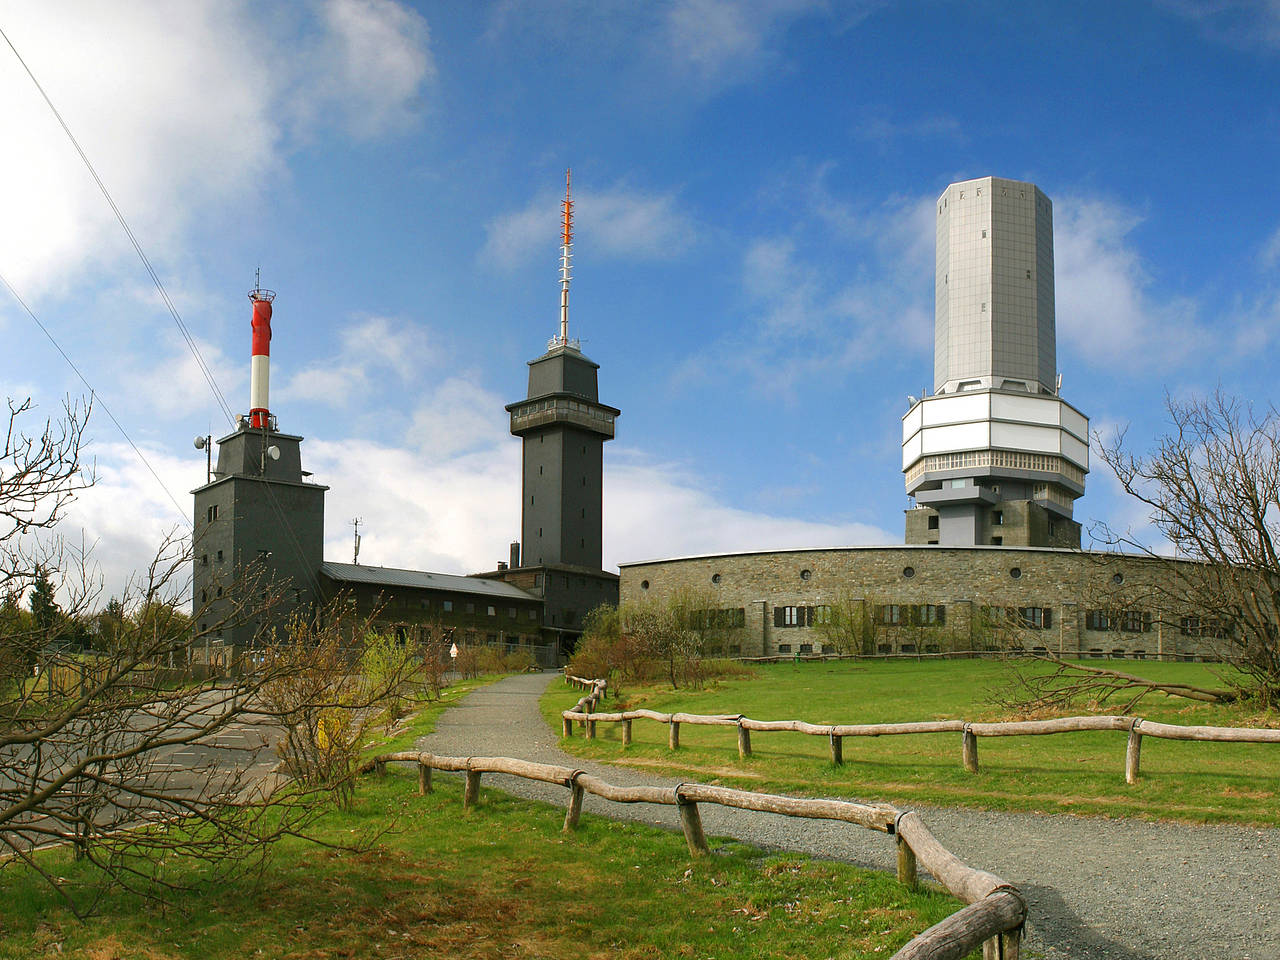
pixel 44 607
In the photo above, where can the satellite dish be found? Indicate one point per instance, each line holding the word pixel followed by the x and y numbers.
pixel 273 452
pixel 200 443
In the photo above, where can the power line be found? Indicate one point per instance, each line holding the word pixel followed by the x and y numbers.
pixel 97 398
pixel 155 279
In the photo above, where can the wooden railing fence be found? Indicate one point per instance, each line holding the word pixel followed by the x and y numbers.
pixel 995 913
pixel 584 713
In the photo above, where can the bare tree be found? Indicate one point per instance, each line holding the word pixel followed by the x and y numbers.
pixel 129 747
pixel 1212 485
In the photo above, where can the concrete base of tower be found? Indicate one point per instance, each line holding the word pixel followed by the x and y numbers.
pixel 1010 523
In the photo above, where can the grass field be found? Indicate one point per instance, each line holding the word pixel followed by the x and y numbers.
pixel 499 881
pixel 1080 773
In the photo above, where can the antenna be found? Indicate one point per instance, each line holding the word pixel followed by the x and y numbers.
pixel 566 262
pixel 356 556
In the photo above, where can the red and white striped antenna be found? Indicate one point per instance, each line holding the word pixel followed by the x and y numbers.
pixel 260 361
pixel 566 261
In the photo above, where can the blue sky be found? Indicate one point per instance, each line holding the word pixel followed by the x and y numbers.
pixel 754 258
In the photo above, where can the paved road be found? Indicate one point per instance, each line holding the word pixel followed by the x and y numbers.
pixel 1114 889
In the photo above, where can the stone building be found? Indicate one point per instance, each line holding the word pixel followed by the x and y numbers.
pixel 932 599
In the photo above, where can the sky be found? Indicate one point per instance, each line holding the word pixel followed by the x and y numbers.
pixel 754 185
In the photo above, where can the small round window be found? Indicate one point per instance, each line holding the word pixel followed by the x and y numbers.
pixel 715 578
pixel 1118 579
pixel 1015 573
pixel 644 584
pixel 908 572
pixel 806 574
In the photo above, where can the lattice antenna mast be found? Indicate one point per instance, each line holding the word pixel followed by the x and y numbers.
pixel 566 256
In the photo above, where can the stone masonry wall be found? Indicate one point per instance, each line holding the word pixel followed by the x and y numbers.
pixel 963 579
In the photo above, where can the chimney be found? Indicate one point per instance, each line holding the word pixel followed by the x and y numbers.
pixel 502 566
pixel 515 554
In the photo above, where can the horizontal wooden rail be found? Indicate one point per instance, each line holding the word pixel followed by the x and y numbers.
pixel 1135 727
pixel 995 914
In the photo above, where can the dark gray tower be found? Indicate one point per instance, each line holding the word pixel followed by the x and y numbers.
pixel 259 524
pixel 564 427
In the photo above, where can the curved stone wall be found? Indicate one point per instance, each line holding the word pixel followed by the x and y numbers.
pixel 924 599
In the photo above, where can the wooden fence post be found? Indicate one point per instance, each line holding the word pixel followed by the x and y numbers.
pixel 626 733
pixel 591 729
pixel 673 736
pixel 744 741
pixel 568 727
pixel 424 778
pixel 574 813
pixel 691 823
pixel 472 793
pixel 837 750
pixel 1133 754
pixel 907 873
pixel 969 750
pixel 381 767
pixel 1007 946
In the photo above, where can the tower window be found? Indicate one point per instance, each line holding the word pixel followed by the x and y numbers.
pixel 213 512
pixel 204 560
pixel 997 517
pixel 219 556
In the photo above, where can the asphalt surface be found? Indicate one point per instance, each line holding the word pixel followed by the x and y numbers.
pixel 1115 889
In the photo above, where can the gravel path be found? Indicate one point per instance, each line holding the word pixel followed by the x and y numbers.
pixel 1116 889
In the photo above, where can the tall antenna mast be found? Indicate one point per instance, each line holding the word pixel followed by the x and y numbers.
pixel 356 555
pixel 566 256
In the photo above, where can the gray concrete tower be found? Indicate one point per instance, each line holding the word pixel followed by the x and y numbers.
pixel 995 455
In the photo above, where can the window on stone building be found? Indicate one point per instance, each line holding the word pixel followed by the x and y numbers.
pixel 884 648
pixel 997 541
pixel 447 605
pixel 219 556
pixel 212 512
pixel 1097 620
pixel 1036 618
pixel 889 614
pixel 933 521
pixel 997 518
pixel 822 614
pixel 784 648
pixel 790 616
pixel 928 614
pixel 1135 621
pixel 491 611
pixel 533 614
pixel 511 613
pixel 204 560
pixel 806 648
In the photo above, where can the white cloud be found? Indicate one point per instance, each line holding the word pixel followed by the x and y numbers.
pixel 369 65
pixel 1105 308
pixel 655 510
pixel 615 222
pixel 458 417
pixel 369 348
pixel 179 114
pixel 1238 23
pixel 127 514
pixel 1269 256
pixel 836 294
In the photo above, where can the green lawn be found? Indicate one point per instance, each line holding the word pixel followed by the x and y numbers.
pixel 1080 773
pixel 498 881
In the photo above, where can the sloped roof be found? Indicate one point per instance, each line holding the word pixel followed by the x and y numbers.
pixel 420 579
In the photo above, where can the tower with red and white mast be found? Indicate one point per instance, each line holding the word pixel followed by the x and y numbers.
pixel 259 521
